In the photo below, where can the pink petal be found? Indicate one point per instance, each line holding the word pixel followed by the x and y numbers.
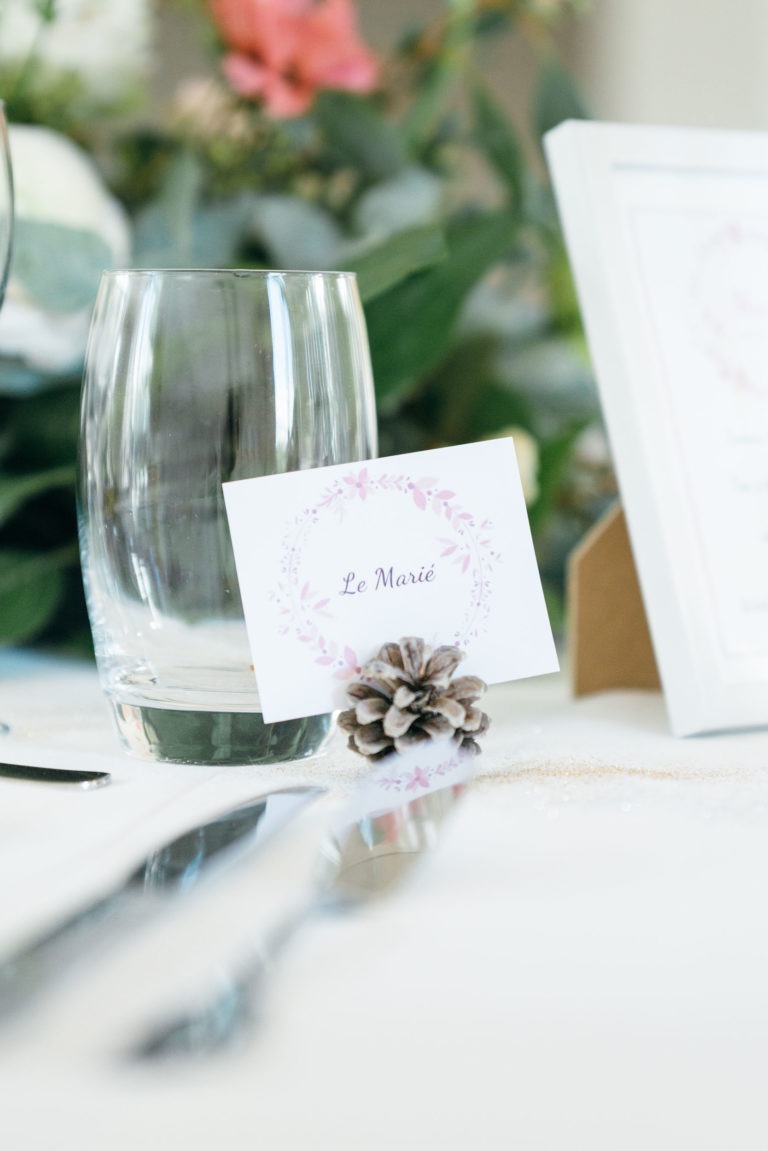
pixel 351 657
pixel 284 99
pixel 333 54
pixel 271 30
pixel 244 74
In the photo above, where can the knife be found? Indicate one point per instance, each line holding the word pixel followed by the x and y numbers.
pixel 393 818
pixel 168 871
pixel 86 780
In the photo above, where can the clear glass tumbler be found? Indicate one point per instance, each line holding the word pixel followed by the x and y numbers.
pixel 193 378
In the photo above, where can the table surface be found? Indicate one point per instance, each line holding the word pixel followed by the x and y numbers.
pixel 580 963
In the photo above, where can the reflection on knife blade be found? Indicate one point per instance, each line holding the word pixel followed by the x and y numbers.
pixel 86 780
pixel 169 870
pixel 393 818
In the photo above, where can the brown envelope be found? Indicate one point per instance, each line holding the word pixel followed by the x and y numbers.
pixel 608 638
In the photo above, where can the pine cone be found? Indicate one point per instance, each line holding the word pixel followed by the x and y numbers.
pixel 405 696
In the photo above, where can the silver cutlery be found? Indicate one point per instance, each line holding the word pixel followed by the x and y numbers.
pixel 361 862
pixel 168 871
pixel 86 780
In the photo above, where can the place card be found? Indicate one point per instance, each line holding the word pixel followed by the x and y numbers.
pixel 334 562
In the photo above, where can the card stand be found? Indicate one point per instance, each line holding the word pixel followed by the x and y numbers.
pixel 609 641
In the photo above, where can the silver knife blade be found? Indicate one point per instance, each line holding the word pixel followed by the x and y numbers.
pixel 166 872
pixel 393 818
pixel 30 773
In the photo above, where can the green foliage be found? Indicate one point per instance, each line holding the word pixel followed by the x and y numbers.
pixel 411 326
pixel 15 491
pixel 390 263
pixel 556 97
pixel 31 589
pixel 357 135
pixel 58 267
pixel 472 318
pixel 500 143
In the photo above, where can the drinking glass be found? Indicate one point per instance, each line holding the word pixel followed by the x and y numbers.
pixel 6 203
pixel 193 378
pixel 6 233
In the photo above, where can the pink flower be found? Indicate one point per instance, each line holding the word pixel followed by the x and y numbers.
pixel 285 51
pixel 359 482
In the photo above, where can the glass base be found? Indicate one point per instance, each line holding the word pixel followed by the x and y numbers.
pixel 217 737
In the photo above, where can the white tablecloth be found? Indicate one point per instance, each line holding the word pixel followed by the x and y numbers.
pixel 581 963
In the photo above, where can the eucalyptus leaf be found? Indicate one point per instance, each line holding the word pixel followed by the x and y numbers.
pixel 183 184
pixel 178 229
pixel 59 267
pixel 410 198
pixel 208 237
pixel 387 264
pixel 31 590
pixel 411 326
pixel 295 232
pixel 17 379
pixel 15 491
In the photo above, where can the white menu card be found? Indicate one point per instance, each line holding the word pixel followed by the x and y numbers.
pixel 667 233
pixel 334 562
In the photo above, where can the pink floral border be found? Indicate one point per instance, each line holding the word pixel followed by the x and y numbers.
pixel 468 544
pixel 417 778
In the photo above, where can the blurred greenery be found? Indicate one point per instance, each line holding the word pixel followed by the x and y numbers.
pixel 473 323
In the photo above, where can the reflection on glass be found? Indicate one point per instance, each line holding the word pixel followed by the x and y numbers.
pixel 6 203
pixel 194 378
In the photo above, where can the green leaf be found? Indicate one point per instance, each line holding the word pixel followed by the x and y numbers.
pixel 15 491
pixel 464 399
pixel 294 231
pixel 411 326
pixel 444 77
pixel 178 230
pixel 354 128
pixel 411 198
pixel 554 458
pixel 43 428
pixel 499 142
pixel 556 98
pixel 59 267
pixel 31 587
pixel 180 194
pixel 429 107
pixel 392 261
pixel 208 238
pixel 46 10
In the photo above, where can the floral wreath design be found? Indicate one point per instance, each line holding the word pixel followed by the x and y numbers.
pixel 719 304
pixel 419 778
pixel 469 545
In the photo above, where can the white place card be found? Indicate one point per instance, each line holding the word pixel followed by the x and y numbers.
pixel 334 562
pixel 667 232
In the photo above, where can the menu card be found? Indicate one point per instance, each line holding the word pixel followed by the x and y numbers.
pixel 667 232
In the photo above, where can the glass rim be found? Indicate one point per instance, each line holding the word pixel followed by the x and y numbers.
pixel 256 273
